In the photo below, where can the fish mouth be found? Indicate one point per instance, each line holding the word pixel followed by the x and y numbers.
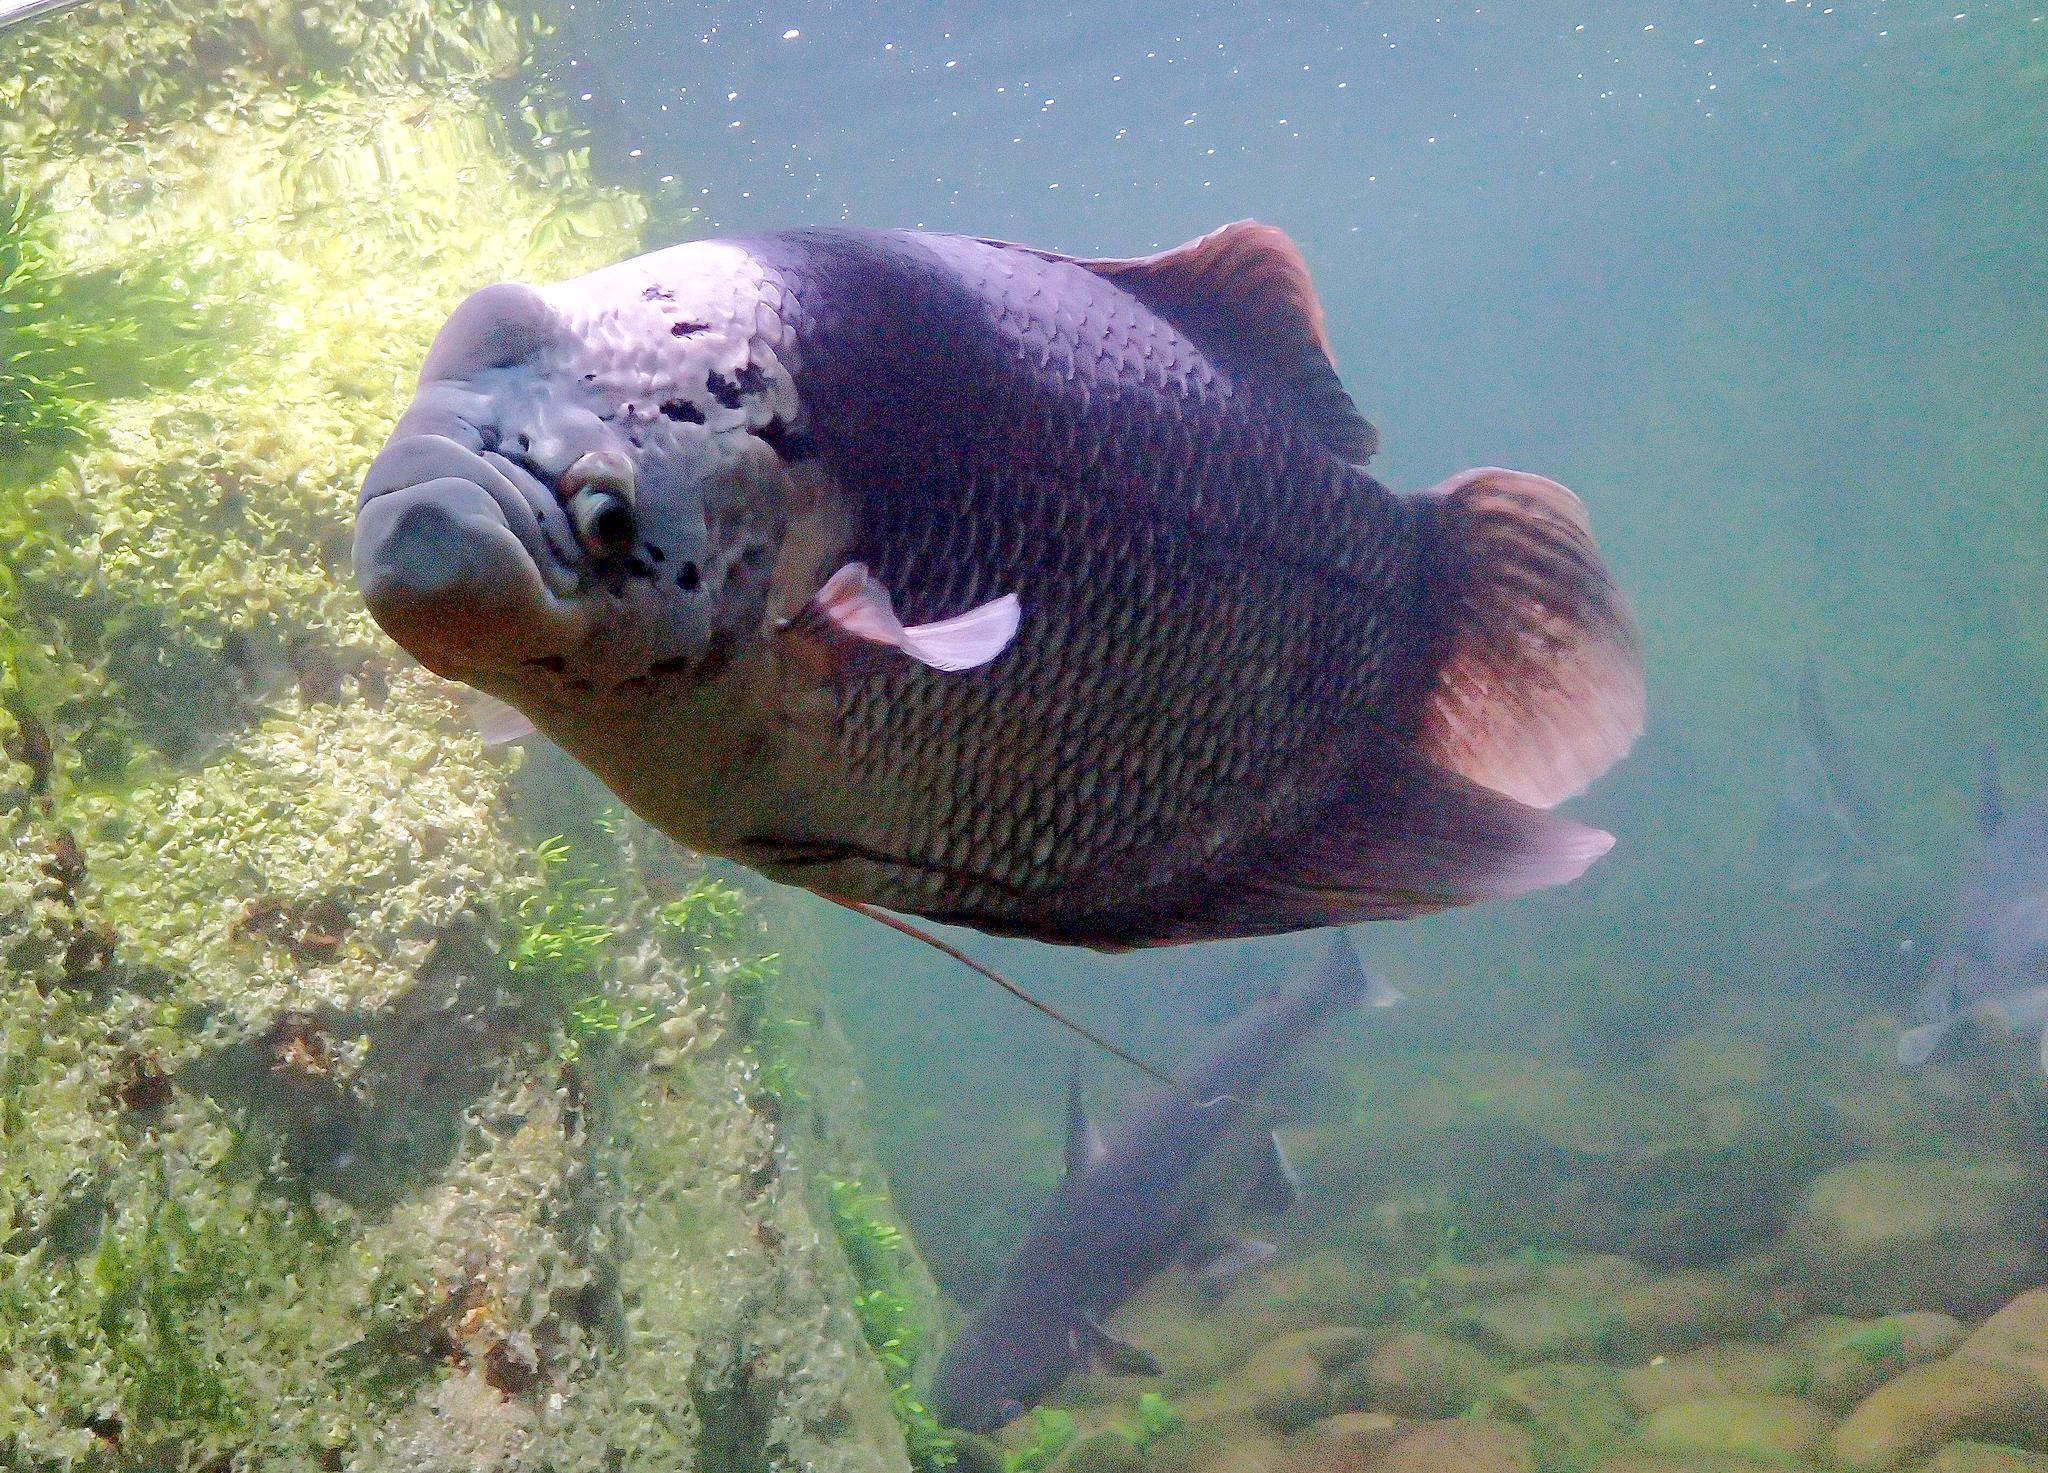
pixel 457 555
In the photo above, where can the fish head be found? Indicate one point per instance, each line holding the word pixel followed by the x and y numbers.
pixel 580 512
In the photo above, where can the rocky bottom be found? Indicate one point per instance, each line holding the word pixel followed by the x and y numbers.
pixel 1545 1363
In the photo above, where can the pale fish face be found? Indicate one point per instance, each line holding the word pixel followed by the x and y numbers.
pixel 581 509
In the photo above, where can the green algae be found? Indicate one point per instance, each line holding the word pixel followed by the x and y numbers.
pixel 1050 1431
pixel 345 1121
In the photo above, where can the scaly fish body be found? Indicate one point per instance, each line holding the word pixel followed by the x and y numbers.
pixel 1175 665
pixel 1140 1195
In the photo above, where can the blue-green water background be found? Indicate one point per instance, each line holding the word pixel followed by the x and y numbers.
pixel 1764 283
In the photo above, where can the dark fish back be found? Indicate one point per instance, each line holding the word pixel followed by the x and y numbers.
pixel 1214 603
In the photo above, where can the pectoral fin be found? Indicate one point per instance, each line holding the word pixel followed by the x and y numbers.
pixel 1917 1045
pixel 496 722
pixel 1102 1352
pixel 1217 1262
pixel 851 621
pixel 1277 1187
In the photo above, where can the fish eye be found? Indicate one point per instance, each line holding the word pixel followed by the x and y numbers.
pixel 604 522
pixel 598 489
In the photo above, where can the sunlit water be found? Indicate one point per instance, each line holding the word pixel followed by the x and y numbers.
pixel 1764 284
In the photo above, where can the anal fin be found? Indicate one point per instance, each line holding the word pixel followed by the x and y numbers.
pixel 1398 837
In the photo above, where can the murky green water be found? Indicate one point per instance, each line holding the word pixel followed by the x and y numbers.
pixel 1630 1176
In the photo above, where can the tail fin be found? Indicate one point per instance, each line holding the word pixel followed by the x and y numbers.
pixel 1542 686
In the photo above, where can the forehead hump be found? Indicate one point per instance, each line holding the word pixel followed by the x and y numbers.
pixel 647 307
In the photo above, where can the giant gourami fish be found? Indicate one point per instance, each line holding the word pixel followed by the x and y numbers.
pixel 1042 595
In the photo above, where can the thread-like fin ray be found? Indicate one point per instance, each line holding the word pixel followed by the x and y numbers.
pixel 906 928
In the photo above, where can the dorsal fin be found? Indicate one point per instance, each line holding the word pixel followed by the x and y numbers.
pixel 1243 293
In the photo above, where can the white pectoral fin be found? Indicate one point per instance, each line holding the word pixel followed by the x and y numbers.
pixel 496 722
pixel 1917 1045
pixel 852 618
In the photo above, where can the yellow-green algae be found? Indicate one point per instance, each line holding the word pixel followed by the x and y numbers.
pixel 338 1130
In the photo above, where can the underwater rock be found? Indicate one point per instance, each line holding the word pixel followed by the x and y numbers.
pixel 1595 1304
pixel 1986 1457
pixel 1994 1385
pixel 1323 1287
pixel 1844 1360
pixel 1572 1410
pixel 1909 1417
pixel 1221 1445
pixel 1286 1383
pixel 1729 1368
pixel 1771 1428
pixel 1637 1461
pixel 1350 1442
pixel 1544 1324
pixel 1418 1373
pixel 1467 1445
pixel 1101 1452
pixel 1883 1234
pixel 1678 1311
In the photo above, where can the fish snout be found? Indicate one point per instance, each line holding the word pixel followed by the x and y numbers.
pixel 444 574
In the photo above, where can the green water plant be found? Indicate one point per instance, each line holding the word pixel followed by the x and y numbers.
pixel 558 939
pixel 69 340
pixel 1051 1430
pixel 875 1250
pixel 1156 1416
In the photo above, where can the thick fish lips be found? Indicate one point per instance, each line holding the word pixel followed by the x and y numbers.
pixel 456 558
pixel 464 556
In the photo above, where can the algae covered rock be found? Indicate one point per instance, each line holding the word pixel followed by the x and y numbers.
pixel 1883 1234
pixel 1770 1428
pixel 1844 1360
pixel 348 1117
pixel 1986 1457
pixel 1419 1373
pixel 1572 1410
pixel 1470 1445
pixel 1993 1386
pixel 1349 1442
pixel 1729 1368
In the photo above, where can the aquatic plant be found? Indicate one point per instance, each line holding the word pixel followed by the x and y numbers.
pixel 70 340
pixel 1156 1417
pixel 292 1170
pixel 875 1251
pixel 558 940
pixel 1051 1430
pixel 709 913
